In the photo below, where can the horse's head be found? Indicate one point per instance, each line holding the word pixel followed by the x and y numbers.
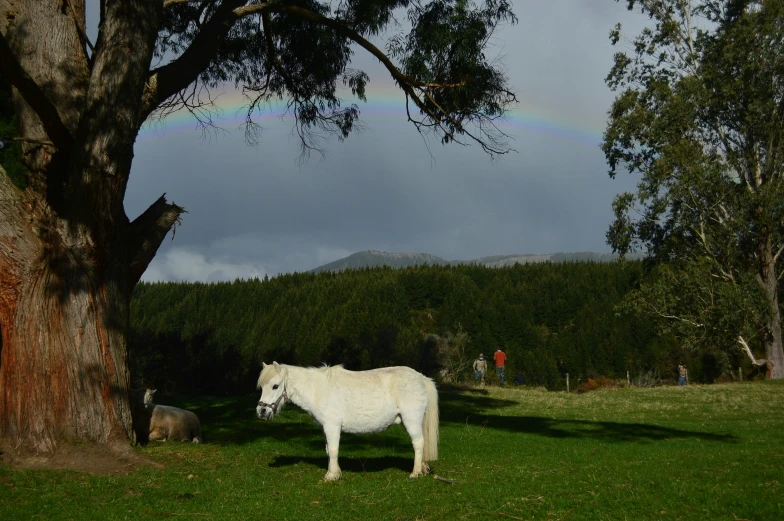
pixel 272 382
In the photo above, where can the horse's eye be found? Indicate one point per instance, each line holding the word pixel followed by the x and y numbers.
pixel 275 386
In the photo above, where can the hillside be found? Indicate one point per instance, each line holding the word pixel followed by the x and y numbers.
pixel 377 259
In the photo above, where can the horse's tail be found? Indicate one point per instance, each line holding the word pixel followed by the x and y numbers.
pixel 430 423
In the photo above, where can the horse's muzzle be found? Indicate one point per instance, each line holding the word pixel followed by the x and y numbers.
pixel 264 411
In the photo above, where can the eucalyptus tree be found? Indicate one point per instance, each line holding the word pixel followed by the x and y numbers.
pixel 700 116
pixel 69 254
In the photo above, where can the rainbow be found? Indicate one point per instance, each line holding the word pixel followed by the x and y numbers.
pixel 385 103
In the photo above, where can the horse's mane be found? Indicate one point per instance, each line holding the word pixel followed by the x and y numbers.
pixel 330 370
pixel 266 376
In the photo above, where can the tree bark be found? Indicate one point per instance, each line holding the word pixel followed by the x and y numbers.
pixel 771 331
pixel 69 257
pixel 63 365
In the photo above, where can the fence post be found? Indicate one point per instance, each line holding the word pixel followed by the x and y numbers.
pixel 628 381
pixel 567 382
pixel 740 373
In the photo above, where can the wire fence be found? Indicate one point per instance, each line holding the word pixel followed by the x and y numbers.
pixel 576 383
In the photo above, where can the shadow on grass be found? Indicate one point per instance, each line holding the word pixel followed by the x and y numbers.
pixel 232 421
pixel 349 464
pixel 609 432
pixel 457 406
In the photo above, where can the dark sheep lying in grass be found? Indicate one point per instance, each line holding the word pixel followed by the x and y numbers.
pixel 162 422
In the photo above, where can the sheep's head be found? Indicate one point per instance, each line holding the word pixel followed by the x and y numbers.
pixel 148 397
pixel 141 398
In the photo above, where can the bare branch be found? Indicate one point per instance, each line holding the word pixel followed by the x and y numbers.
pixel 27 140
pixel 35 97
pixel 148 231
pixel 777 255
pixel 169 3
pixel 678 319
pixel 82 35
pixel 745 347
pixel 192 100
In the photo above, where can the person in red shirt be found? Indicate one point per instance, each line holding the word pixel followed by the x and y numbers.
pixel 500 363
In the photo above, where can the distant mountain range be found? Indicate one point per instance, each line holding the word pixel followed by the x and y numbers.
pixel 373 259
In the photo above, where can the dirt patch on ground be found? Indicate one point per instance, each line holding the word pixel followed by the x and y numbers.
pixel 84 457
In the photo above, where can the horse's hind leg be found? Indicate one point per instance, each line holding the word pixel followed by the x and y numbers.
pixel 414 429
pixel 333 441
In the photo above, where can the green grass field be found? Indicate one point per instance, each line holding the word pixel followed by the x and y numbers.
pixel 699 452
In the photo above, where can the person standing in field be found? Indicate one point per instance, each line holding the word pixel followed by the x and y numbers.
pixel 683 374
pixel 480 368
pixel 500 363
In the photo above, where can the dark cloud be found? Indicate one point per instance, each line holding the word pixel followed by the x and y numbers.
pixel 256 211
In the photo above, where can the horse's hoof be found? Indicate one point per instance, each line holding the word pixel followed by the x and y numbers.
pixel 415 475
pixel 332 477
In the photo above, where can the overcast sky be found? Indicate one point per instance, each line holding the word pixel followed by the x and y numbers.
pixel 256 211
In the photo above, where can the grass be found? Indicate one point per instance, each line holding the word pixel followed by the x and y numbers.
pixel 699 452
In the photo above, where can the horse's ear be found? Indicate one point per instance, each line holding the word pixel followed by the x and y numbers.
pixel 263 365
pixel 153 391
pixel 276 366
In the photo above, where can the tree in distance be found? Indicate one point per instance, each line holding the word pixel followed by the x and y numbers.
pixel 699 117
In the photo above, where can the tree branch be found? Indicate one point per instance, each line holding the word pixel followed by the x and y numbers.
pixel 173 77
pixel 35 97
pixel 405 82
pixel 678 319
pixel 169 3
pixel 177 75
pixel 82 35
pixel 170 79
pixel 148 231
pixel 747 350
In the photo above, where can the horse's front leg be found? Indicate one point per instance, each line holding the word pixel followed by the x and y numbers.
pixel 332 433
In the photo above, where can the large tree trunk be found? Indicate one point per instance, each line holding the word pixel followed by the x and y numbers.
pixel 771 331
pixel 69 257
pixel 64 308
pixel 63 365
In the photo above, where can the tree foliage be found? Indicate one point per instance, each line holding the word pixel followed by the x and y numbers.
pixel 452 87
pixel 699 117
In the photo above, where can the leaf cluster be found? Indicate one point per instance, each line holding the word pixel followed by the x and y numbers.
pixel 300 51
pixel 445 51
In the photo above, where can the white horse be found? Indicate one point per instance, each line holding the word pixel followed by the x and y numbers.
pixel 358 402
